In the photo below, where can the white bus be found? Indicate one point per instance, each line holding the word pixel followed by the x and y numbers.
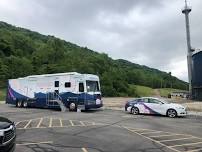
pixel 61 90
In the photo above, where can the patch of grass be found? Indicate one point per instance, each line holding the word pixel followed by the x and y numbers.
pixel 2 94
pixel 143 91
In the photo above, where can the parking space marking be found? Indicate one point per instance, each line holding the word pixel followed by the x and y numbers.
pixel 186 144
pixel 35 143
pixel 72 124
pixel 84 149
pixel 151 132
pixel 82 123
pixel 29 122
pixel 61 124
pixel 139 129
pixel 169 135
pixel 50 122
pixel 40 121
pixel 192 143
pixel 195 150
pixel 177 139
pixel 53 122
pixel 17 123
pixel 154 140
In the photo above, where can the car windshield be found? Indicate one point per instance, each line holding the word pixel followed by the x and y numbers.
pixel 92 86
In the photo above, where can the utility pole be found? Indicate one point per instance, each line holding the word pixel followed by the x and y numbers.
pixel 186 10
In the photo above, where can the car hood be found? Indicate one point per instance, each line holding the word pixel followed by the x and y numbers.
pixel 4 123
pixel 174 105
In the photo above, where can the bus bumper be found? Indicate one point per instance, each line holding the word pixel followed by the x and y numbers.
pixel 94 106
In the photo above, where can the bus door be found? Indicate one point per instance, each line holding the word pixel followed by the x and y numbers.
pixel 82 94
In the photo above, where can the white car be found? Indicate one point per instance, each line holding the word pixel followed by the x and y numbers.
pixel 150 105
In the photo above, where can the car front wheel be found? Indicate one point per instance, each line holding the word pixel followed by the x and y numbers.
pixel 171 113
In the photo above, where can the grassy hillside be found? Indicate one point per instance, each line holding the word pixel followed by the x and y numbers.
pixel 24 52
pixel 142 91
pixel 2 94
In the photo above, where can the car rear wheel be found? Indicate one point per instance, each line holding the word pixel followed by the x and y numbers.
pixel 135 110
pixel 171 113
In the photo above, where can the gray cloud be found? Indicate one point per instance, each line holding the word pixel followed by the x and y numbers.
pixel 148 32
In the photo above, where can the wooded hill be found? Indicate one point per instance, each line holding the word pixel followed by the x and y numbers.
pixel 24 52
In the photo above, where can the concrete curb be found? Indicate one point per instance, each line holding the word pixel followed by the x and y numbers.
pixel 195 113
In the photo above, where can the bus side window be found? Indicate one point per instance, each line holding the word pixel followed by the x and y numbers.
pixel 56 83
pixel 81 87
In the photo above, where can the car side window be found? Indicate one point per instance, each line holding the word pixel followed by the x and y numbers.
pixel 145 100
pixel 139 100
pixel 154 101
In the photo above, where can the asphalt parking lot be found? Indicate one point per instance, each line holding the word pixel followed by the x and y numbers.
pixel 44 130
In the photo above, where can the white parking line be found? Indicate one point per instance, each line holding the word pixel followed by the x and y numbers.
pixel 17 123
pixel 61 125
pixel 82 123
pixel 84 149
pixel 35 143
pixel 168 135
pixel 185 144
pixel 50 122
pixel 153 140
pixel 151 132
pixel 72 124
pixel 40 121
pixel 28 124
pixel 177 139
pixel 195 150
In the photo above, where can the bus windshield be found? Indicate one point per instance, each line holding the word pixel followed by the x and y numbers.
pixel 92 86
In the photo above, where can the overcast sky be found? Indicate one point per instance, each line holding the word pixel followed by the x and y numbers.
pixel 147 32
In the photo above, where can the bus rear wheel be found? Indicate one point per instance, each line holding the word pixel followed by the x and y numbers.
pixel 72 106
pixel 19 104
pixel 25 104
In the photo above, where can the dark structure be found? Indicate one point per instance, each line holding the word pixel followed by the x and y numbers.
pixel 197 75
pixel 186 10
pixel 194 62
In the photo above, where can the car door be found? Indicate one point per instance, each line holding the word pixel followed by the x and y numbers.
pixel 156 106
pixel 144 106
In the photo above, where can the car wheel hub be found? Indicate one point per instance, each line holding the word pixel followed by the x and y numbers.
pixel 171 113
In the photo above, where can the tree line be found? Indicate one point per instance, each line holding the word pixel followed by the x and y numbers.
pixel 23 53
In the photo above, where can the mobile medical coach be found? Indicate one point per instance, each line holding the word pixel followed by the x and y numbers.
pixel 62 90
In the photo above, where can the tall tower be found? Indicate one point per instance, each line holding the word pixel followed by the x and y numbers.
pixel 186 10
